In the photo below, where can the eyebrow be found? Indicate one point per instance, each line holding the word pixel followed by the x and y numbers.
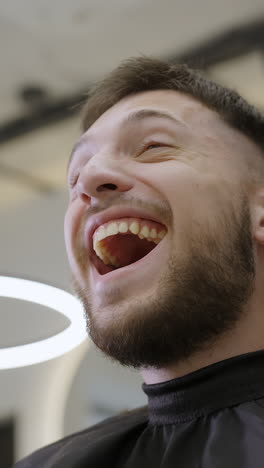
pixel 134 117
pixel 143 114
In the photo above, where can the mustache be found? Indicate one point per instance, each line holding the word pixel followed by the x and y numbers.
pixel 116 200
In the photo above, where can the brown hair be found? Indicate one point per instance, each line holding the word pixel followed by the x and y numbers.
pixel 140 74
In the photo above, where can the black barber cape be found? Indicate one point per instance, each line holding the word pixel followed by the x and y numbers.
pixel 211 418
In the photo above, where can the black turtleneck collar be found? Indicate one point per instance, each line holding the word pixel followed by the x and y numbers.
pixel 220 385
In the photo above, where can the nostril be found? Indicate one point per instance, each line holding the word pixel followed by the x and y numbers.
pixel 85 197
pixel 105 187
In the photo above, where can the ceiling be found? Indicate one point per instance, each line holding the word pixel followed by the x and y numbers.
pixel 62 47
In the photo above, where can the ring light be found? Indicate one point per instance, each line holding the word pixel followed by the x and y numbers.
pixel 49 348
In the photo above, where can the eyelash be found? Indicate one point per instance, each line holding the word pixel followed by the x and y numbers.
pixel 146 146
pixel 74 177
pixel 73 180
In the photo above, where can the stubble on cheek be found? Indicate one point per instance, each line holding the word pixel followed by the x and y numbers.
pixel 79 252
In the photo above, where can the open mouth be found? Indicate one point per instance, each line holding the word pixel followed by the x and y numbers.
pixel 126 248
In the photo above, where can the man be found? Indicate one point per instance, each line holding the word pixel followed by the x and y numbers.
pixel 165 238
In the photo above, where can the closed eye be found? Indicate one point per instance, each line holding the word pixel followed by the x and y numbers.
pixel 153 145
pixel 73 180
pixel 148 146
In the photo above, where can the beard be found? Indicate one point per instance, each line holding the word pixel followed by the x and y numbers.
pixel 198 299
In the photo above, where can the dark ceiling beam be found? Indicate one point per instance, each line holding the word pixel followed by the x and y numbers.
pixel 233 43
pixel 51 112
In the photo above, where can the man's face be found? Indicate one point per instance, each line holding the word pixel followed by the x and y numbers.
pixel 187 172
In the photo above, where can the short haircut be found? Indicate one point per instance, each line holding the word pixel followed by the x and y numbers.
pixel 139 74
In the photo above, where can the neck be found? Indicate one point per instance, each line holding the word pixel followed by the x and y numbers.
pixel 247 337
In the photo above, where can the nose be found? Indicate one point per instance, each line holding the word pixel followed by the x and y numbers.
pixel 98 178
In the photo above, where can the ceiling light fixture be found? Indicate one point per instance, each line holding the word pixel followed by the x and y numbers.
pixel 50 348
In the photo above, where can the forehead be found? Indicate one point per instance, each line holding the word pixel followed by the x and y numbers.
pixel 185 108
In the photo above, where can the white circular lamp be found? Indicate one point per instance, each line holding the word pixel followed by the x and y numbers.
pixel 49 348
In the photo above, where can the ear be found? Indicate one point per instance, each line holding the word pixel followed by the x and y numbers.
pixel 258 218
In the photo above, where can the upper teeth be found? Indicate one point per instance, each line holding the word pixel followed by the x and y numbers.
pixel 144 230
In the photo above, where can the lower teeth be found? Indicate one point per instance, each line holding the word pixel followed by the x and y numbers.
pixel 109 260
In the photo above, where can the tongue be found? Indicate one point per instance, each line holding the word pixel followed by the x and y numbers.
pixel 128 248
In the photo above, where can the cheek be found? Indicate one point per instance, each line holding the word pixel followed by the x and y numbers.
pixel 195 196
pixel 68 233
pixel 71 225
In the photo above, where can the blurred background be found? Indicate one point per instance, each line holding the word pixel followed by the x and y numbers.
pixel 51 52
